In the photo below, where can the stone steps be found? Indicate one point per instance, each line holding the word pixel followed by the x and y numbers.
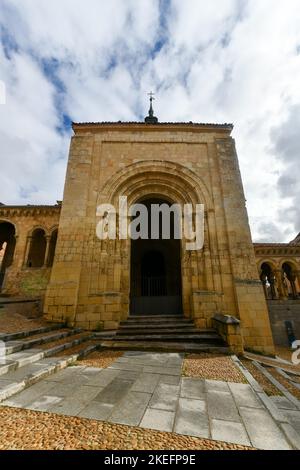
pixel 25 334
pixel 17 346
pixel 164 329
pixel 172 337
pixel 15 381
pixel 163 346
pixel 146 319
pixel 15 361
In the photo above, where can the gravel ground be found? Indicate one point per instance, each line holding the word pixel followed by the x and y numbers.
pixel 284 353
pixel 32 430
pixel 101 359
pixel 13 323
pixel 293 390
pixel 212 366
pixel 267 386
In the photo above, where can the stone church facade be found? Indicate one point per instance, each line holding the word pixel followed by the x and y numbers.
pixel 54 251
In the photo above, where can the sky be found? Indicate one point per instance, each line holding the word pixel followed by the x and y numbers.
pixel 219 61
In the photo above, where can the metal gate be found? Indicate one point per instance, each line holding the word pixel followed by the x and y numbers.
pixel 154 299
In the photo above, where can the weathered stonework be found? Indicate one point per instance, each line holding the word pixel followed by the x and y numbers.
pixel 89 284
pixel 19 278
pixel 90 279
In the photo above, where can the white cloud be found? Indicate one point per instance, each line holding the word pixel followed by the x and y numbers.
pixel 231 60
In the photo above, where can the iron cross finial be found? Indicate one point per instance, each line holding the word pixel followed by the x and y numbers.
pixel 151 94
pixel 151 119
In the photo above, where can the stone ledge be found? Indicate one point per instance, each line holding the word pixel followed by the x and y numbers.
pixel 226 319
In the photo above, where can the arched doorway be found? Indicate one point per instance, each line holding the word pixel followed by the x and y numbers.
pixel 155 286
pixel 36 256
pixel 289 280
pixel 7 248
pixel 269 281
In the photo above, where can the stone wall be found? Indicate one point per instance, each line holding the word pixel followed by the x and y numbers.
pixel 19 278
pixel 90 279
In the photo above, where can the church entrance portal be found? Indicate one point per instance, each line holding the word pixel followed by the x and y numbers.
pixel 156 273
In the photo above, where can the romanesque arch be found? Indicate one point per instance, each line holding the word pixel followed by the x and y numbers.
pixel 37 248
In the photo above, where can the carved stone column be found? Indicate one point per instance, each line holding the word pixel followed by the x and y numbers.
pixel 48 239
pixel 27 249
pixel 281 291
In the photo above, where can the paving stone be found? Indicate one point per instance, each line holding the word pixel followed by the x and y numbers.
pixel 162 370
pixel 283 403
pixel 292 435
pixel 294 418
pixel 96 410
pixel 146 383
pixel 126 366
pixel 20 374
pixel 4 382
pixel 103 378
pixel 228 431
pixel 86 393
pixel 192 388
pixel 114 392
pixel 262 430
pixel 165 397
pixel 44 403
pixel 191 418
pixel 26 397
pixel 159 420
pixel 244 395
pixel 221 406
pixel 63 389
pixel 216 385
pixel 68 406
pixel 66 374
pixel 169 379
pixel 131 409
pixel 276 413
pixel 129 375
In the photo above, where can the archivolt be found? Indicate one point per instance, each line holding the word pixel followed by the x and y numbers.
pixel 156 178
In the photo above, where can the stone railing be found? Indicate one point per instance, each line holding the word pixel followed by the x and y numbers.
pixel 229 329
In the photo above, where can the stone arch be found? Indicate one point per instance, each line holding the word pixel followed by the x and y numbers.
pixel 289 279
pixel 267 269
pixel 37 227
pixel 162 178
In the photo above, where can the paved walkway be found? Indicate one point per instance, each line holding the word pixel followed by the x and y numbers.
pixel 147 390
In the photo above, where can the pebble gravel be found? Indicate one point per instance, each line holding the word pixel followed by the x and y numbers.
pixel 213 367
pixel 13 323
pixel 32 430
pixel 266 385
pixel 101 359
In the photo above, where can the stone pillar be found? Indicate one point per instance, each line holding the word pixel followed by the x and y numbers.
pixel 264 280
pixel 293 281
pixel 279 284
pixel 298 281
pixel 48 239
pixel 27 249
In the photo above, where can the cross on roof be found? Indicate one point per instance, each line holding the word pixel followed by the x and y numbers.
pixel 151 94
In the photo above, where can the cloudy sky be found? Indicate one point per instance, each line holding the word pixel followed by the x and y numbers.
pixel 208 61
